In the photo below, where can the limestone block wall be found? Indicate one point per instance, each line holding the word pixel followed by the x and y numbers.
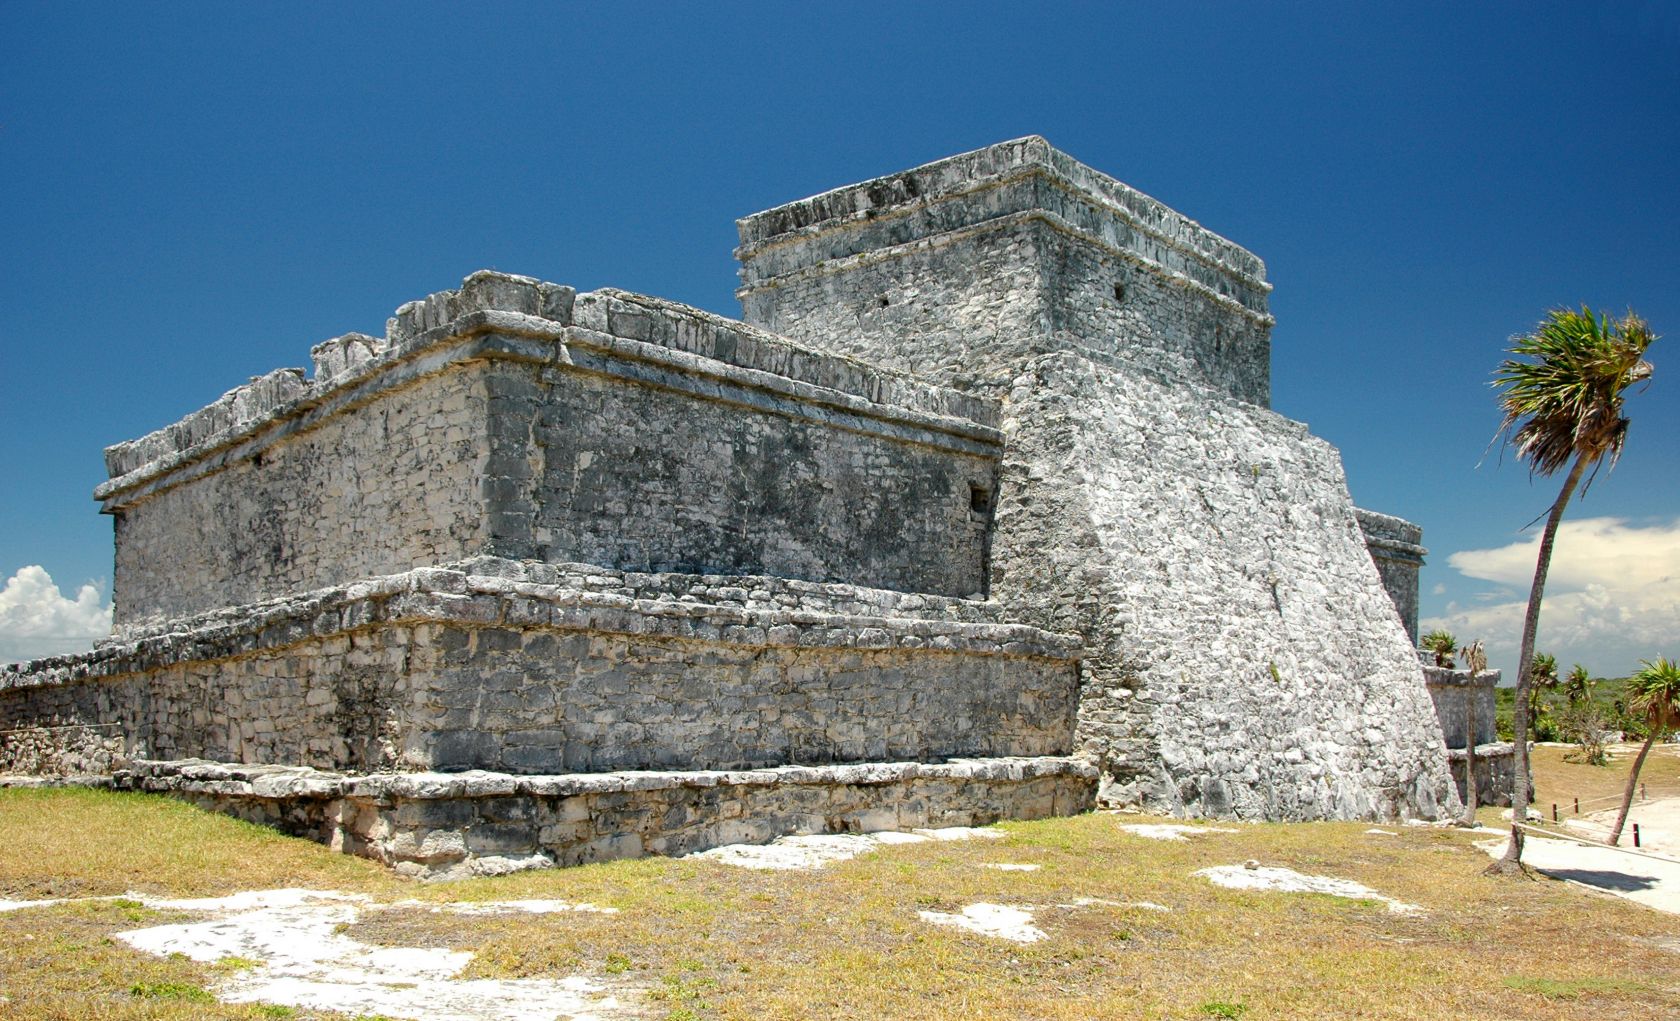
pixel 529 668
pixel 456 825
pixel 654 470
pixel 1396 548
pixel 963 269
pixel 379 488
pixel 645 436
pixel 1242 656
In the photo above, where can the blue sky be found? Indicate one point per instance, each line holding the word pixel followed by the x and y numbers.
pixel 195 194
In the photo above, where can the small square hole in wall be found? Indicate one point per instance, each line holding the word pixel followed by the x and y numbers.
pixel 1120 292
pixel 979 499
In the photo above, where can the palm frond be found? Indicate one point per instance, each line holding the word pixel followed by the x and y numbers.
pixel 1563 389
pixel 1654 692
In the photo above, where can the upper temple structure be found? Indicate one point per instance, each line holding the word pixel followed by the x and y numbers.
pixel 980 512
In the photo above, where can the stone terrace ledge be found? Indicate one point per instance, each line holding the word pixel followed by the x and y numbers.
pixel 613 332
pixel 490 591
pixel 986 189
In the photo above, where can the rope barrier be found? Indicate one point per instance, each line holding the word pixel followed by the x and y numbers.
pixel 1588 842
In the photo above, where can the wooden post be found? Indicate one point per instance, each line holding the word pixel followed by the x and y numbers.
pixel 1635 834
pixel 1577 806
pixel 1554 811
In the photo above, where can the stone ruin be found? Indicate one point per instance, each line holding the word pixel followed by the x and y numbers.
pixel 1463 701
pixel 979 513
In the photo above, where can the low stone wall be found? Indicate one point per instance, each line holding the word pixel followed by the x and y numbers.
pixel 530 668
pixel 451 825
pixel 1496 765
pixel 52 747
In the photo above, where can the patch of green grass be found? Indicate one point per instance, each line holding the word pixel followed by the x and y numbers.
pixel 1221 1008
pixel 1570 989
pixel 234 964
pixel 171 991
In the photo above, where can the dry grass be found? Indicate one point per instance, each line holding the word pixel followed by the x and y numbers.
pixel 711 941
pixel 1559 781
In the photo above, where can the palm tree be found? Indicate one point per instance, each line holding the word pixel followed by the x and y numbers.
pixel 1578 686
pixel 1475 661
pixel 1442 644
pixel 1543 676
pixel 1654 693
pixel 1562 405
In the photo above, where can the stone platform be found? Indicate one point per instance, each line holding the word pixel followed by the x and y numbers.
pixel 452 825
pixel 540 668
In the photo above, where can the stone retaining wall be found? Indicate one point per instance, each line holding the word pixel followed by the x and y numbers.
pixel 1496 766
pixel 449 825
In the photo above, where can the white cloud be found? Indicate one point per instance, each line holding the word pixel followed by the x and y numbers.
pixel 1440 590
pixel 1612 594
pixel 36 619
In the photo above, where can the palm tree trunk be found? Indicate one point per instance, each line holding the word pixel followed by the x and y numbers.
pixel 1469 817
pixel 1520 793
pixel 1633 781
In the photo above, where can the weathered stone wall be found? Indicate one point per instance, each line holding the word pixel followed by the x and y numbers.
pixel 965 269
pixel 378 489
pixel 1396 548
pixel 50 744
pixel 1242 656
pixel 448 826
pixel 527 668
pixel 1496 769
pixel 593 469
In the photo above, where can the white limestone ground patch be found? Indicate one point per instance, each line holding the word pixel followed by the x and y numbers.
pixel 1244 877
pixel 305 961
pixel 1170 831
pixel 1004 866
pixel 1015 921
pixel 997 920
pixel 19 905
pixel 816 850
pixel 1382 833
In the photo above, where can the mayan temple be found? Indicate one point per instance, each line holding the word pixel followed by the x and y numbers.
pixel 979 512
